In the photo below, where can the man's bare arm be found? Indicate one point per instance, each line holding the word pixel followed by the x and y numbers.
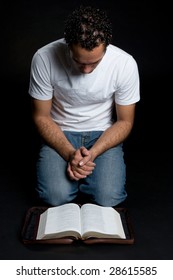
pixel 49 130
pixel 55 138
pixel 115 134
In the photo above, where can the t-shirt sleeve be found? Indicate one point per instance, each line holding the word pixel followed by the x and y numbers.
pixel 40 84
pixel 128 91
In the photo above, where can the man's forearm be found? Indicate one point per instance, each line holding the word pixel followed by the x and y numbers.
pixel 54 136
pixel 111 137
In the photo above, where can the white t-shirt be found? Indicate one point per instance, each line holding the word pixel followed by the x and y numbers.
pixel 83 102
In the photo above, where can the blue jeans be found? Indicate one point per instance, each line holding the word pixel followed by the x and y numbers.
pixel 105 186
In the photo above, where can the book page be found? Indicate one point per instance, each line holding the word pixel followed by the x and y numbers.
pixel 99 219
pixel 59 219
pixel 42 224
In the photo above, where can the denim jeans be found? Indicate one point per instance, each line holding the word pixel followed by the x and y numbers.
pixel 105 186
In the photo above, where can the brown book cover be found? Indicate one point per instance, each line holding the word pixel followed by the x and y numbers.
pixel 31 221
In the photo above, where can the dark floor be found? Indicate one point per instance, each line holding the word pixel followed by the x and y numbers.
pixel 149 203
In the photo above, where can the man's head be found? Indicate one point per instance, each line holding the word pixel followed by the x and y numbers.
pixel 88 27
pixel 87 32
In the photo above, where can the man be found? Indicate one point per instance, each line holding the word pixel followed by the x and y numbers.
pixel 83 92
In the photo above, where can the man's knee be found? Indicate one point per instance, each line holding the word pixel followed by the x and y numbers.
pixel 108 199
pixel 55 197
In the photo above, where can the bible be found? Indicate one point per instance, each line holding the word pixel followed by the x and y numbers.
pixel 89 223
pixel 83 222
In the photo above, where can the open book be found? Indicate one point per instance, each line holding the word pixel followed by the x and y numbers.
pixel 87 221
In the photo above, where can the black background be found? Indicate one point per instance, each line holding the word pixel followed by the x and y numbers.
pixel 142 28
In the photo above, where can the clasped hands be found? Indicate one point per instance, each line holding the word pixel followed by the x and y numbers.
pixel 80 164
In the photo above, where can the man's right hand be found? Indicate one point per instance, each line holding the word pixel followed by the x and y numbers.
pixel 80 164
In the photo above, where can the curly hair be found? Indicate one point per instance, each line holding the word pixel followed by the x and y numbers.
pixel 88 27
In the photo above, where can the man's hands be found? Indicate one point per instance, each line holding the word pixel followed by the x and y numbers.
pixel 80 164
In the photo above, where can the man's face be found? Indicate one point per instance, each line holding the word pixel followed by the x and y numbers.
pixel 87 60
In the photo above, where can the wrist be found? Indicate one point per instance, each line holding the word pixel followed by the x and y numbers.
pixel 93 154
pixel 70 155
